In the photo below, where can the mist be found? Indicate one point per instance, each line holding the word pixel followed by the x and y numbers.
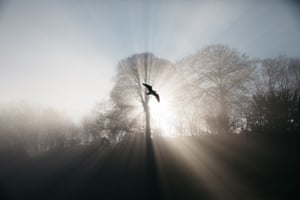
pixel 64 54
pixel 149 99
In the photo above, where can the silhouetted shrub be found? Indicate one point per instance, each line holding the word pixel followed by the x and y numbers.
pixel 275 112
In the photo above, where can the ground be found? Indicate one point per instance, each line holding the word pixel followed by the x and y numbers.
pixel 202 167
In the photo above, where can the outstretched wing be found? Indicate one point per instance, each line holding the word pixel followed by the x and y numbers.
pixel 156 96
pixel 149 87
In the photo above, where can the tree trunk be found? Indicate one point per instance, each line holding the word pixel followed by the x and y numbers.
pixel 146 106
pixel 153 189
pixel 147 113
pixel 223 118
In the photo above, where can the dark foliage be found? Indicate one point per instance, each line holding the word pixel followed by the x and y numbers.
pixel 275 112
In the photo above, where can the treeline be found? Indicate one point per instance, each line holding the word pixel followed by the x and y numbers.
pixel 217 90
pixel 28 128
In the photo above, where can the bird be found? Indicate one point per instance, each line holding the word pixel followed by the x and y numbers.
pixel 151 91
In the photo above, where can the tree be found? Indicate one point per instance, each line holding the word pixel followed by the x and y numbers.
pixel 130 100
pixel 278 73
pixel 219 77
pixel 275 112
pixel 33 129
pixel 128 93
pixel 275 106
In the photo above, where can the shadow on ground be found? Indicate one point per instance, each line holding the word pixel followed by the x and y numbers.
pixel 206 167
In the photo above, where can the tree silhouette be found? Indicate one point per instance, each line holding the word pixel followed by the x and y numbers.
pixel 275 106
pixel 129 94
pixel 128 91
pixel 33 130
pixel 278 73
pixel 219 78
pixel 275 112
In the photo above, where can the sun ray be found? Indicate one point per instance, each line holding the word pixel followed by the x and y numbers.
pixel 163 116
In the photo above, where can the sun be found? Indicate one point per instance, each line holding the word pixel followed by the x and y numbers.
pixel 162 116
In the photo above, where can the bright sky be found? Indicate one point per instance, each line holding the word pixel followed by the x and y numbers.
pixel 64 54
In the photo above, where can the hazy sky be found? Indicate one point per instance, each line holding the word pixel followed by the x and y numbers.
pixel 64 53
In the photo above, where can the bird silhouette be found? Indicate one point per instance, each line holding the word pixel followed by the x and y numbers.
pixel 151 91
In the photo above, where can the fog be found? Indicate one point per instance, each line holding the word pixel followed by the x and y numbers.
pixel 64 54
pixel 161 99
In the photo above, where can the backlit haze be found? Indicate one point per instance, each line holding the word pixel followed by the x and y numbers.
pixel 63 54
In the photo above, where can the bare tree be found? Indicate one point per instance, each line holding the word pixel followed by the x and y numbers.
pixel 128 93
pixel 277 74
pixel 131 101
pixel 219 77
pixel 275 105
pixel 33 129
